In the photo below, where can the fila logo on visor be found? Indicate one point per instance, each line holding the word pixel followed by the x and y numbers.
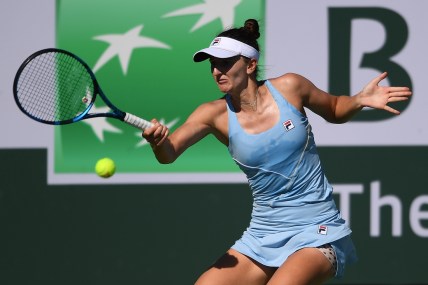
pixel 216 41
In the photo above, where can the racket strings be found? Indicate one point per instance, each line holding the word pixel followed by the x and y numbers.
pixel 31 83
pixel 55 87
pixel 39 85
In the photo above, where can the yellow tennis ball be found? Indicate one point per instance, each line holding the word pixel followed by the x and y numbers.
pixel 105 167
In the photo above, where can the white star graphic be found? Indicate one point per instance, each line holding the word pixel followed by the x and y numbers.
pixel 210 10
pixel 100 125
pixel 122 45
pixel 143 142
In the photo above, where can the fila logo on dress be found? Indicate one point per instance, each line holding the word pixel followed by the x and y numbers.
pixel 322 230
pixel 288 125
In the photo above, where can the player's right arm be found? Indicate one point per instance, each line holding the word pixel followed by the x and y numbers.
pixel 167 148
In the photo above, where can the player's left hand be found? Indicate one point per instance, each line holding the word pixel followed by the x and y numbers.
pixel 378 97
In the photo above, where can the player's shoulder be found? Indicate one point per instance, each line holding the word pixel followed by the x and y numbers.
pixel 209 114
pixel 293 88
pixel 289 80
pixel 212 108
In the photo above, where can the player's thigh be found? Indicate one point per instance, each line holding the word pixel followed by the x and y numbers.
pixel 234 268
pixel 307 266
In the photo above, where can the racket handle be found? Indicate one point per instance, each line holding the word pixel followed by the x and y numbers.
pixel 137 122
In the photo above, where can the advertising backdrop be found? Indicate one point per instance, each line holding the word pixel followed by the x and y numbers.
pixel 143 61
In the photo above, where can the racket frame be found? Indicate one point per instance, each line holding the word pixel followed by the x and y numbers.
pixel 115 112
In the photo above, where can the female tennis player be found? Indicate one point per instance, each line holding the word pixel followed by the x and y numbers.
pixel 296 234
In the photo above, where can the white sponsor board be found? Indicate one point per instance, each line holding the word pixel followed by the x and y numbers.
pixel 297 34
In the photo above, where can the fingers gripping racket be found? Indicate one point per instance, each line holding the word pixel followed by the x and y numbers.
pixel 56 87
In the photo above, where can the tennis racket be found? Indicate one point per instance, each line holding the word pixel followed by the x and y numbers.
pixel 56 87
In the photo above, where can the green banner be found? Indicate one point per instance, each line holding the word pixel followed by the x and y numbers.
pixel 141 54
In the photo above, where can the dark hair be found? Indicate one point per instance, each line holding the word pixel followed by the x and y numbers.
pixel 247 34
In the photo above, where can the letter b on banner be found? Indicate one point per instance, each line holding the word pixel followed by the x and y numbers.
pixel 340 29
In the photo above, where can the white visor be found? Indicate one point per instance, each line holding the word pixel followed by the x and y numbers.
pixel 222 47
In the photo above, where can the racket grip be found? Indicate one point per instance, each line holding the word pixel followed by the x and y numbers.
pixel 137 122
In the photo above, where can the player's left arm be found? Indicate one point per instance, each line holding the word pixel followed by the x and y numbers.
pixel 339 109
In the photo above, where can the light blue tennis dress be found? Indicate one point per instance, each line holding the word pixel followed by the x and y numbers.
pixel 293 206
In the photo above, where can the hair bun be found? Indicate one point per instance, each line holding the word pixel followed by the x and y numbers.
pixel 252 26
